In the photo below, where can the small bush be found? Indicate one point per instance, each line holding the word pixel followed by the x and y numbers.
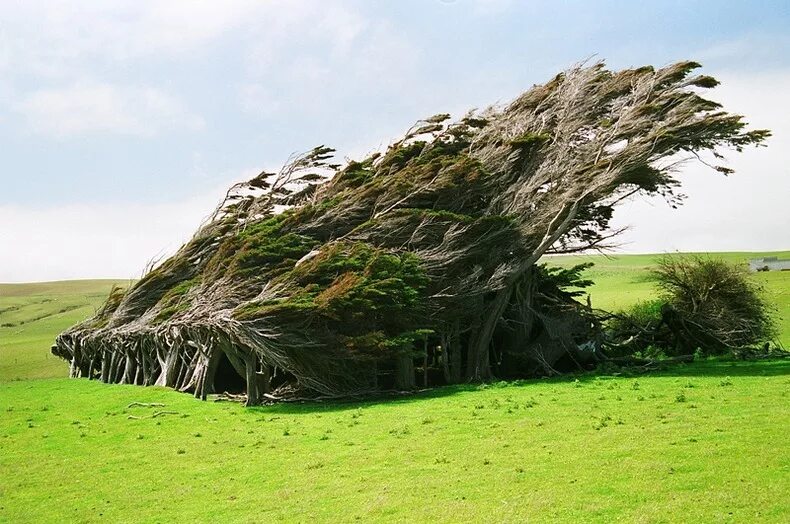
pixel 713 305
pixel 639 330
pixel 706 307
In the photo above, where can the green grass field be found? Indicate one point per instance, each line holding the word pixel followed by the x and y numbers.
pixel 702 443
pixel 705 442
pixel 31 315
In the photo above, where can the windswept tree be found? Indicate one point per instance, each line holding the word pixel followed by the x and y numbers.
pixel 338 279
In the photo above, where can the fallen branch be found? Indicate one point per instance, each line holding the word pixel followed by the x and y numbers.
pixel 145 405
pixel 153 415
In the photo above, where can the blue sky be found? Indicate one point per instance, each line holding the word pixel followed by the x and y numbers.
pixel 122 122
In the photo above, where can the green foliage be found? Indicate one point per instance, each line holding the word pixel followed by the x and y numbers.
pixel 643 315
pixel 389 285
pixel 357 173
pixel 568 282
pixel 175 300
pixel 370 298
pixel 398 156
pixel 706 306
pixel 261 250
pixel 167 312
pixel 716 303
pixel 641 326
pixel 293 307
pixel 146 293
pixel 266 248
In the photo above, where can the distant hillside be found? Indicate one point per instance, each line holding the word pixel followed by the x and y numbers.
pixel 31 315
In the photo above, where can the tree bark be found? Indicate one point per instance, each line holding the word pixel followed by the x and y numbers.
pixel 215 353
pixel 253 385
pixel 265 379
pixel 129 369
pixel 404 372
pixel 170 368
pixel 105 367
pixel 451 355
pixel 425 363
pixel 478 367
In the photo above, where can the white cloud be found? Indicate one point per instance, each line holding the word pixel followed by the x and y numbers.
pixel 305 59
pixel 750 52
pixel 744 211
pixel 114 240
pixel 95 107
pixel 55 38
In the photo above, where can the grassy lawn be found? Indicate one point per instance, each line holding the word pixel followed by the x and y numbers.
pixel 701 443
pixel 31 315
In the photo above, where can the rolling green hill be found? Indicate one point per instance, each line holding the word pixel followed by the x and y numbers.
pixel 31 315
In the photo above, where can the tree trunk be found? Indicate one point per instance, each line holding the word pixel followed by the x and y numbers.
pixel 170 368
pixel 446 358
pixel 451 356
pixel 129 369
pixel 478 367
pixel 425 363
pixel 404 373
pixel 265 379
pixel 215 353
pixel 254 381
pixel 105 367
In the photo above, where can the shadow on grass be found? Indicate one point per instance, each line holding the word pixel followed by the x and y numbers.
pixel 705 368
pixel 329 406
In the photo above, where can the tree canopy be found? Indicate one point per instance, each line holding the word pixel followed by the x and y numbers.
pixel 339 277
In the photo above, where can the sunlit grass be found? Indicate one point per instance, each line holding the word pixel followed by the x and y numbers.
pixel 700 443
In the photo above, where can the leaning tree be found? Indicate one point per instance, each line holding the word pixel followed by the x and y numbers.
pixel 340 280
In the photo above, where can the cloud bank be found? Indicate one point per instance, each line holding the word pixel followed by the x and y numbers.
pixel 121 120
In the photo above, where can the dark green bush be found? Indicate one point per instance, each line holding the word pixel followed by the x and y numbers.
pixel 715 305
pixel 638 330
pixel 706 307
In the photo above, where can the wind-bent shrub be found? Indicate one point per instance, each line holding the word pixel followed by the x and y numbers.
pixel 342 280
pixel 706 305
pixel 713 305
